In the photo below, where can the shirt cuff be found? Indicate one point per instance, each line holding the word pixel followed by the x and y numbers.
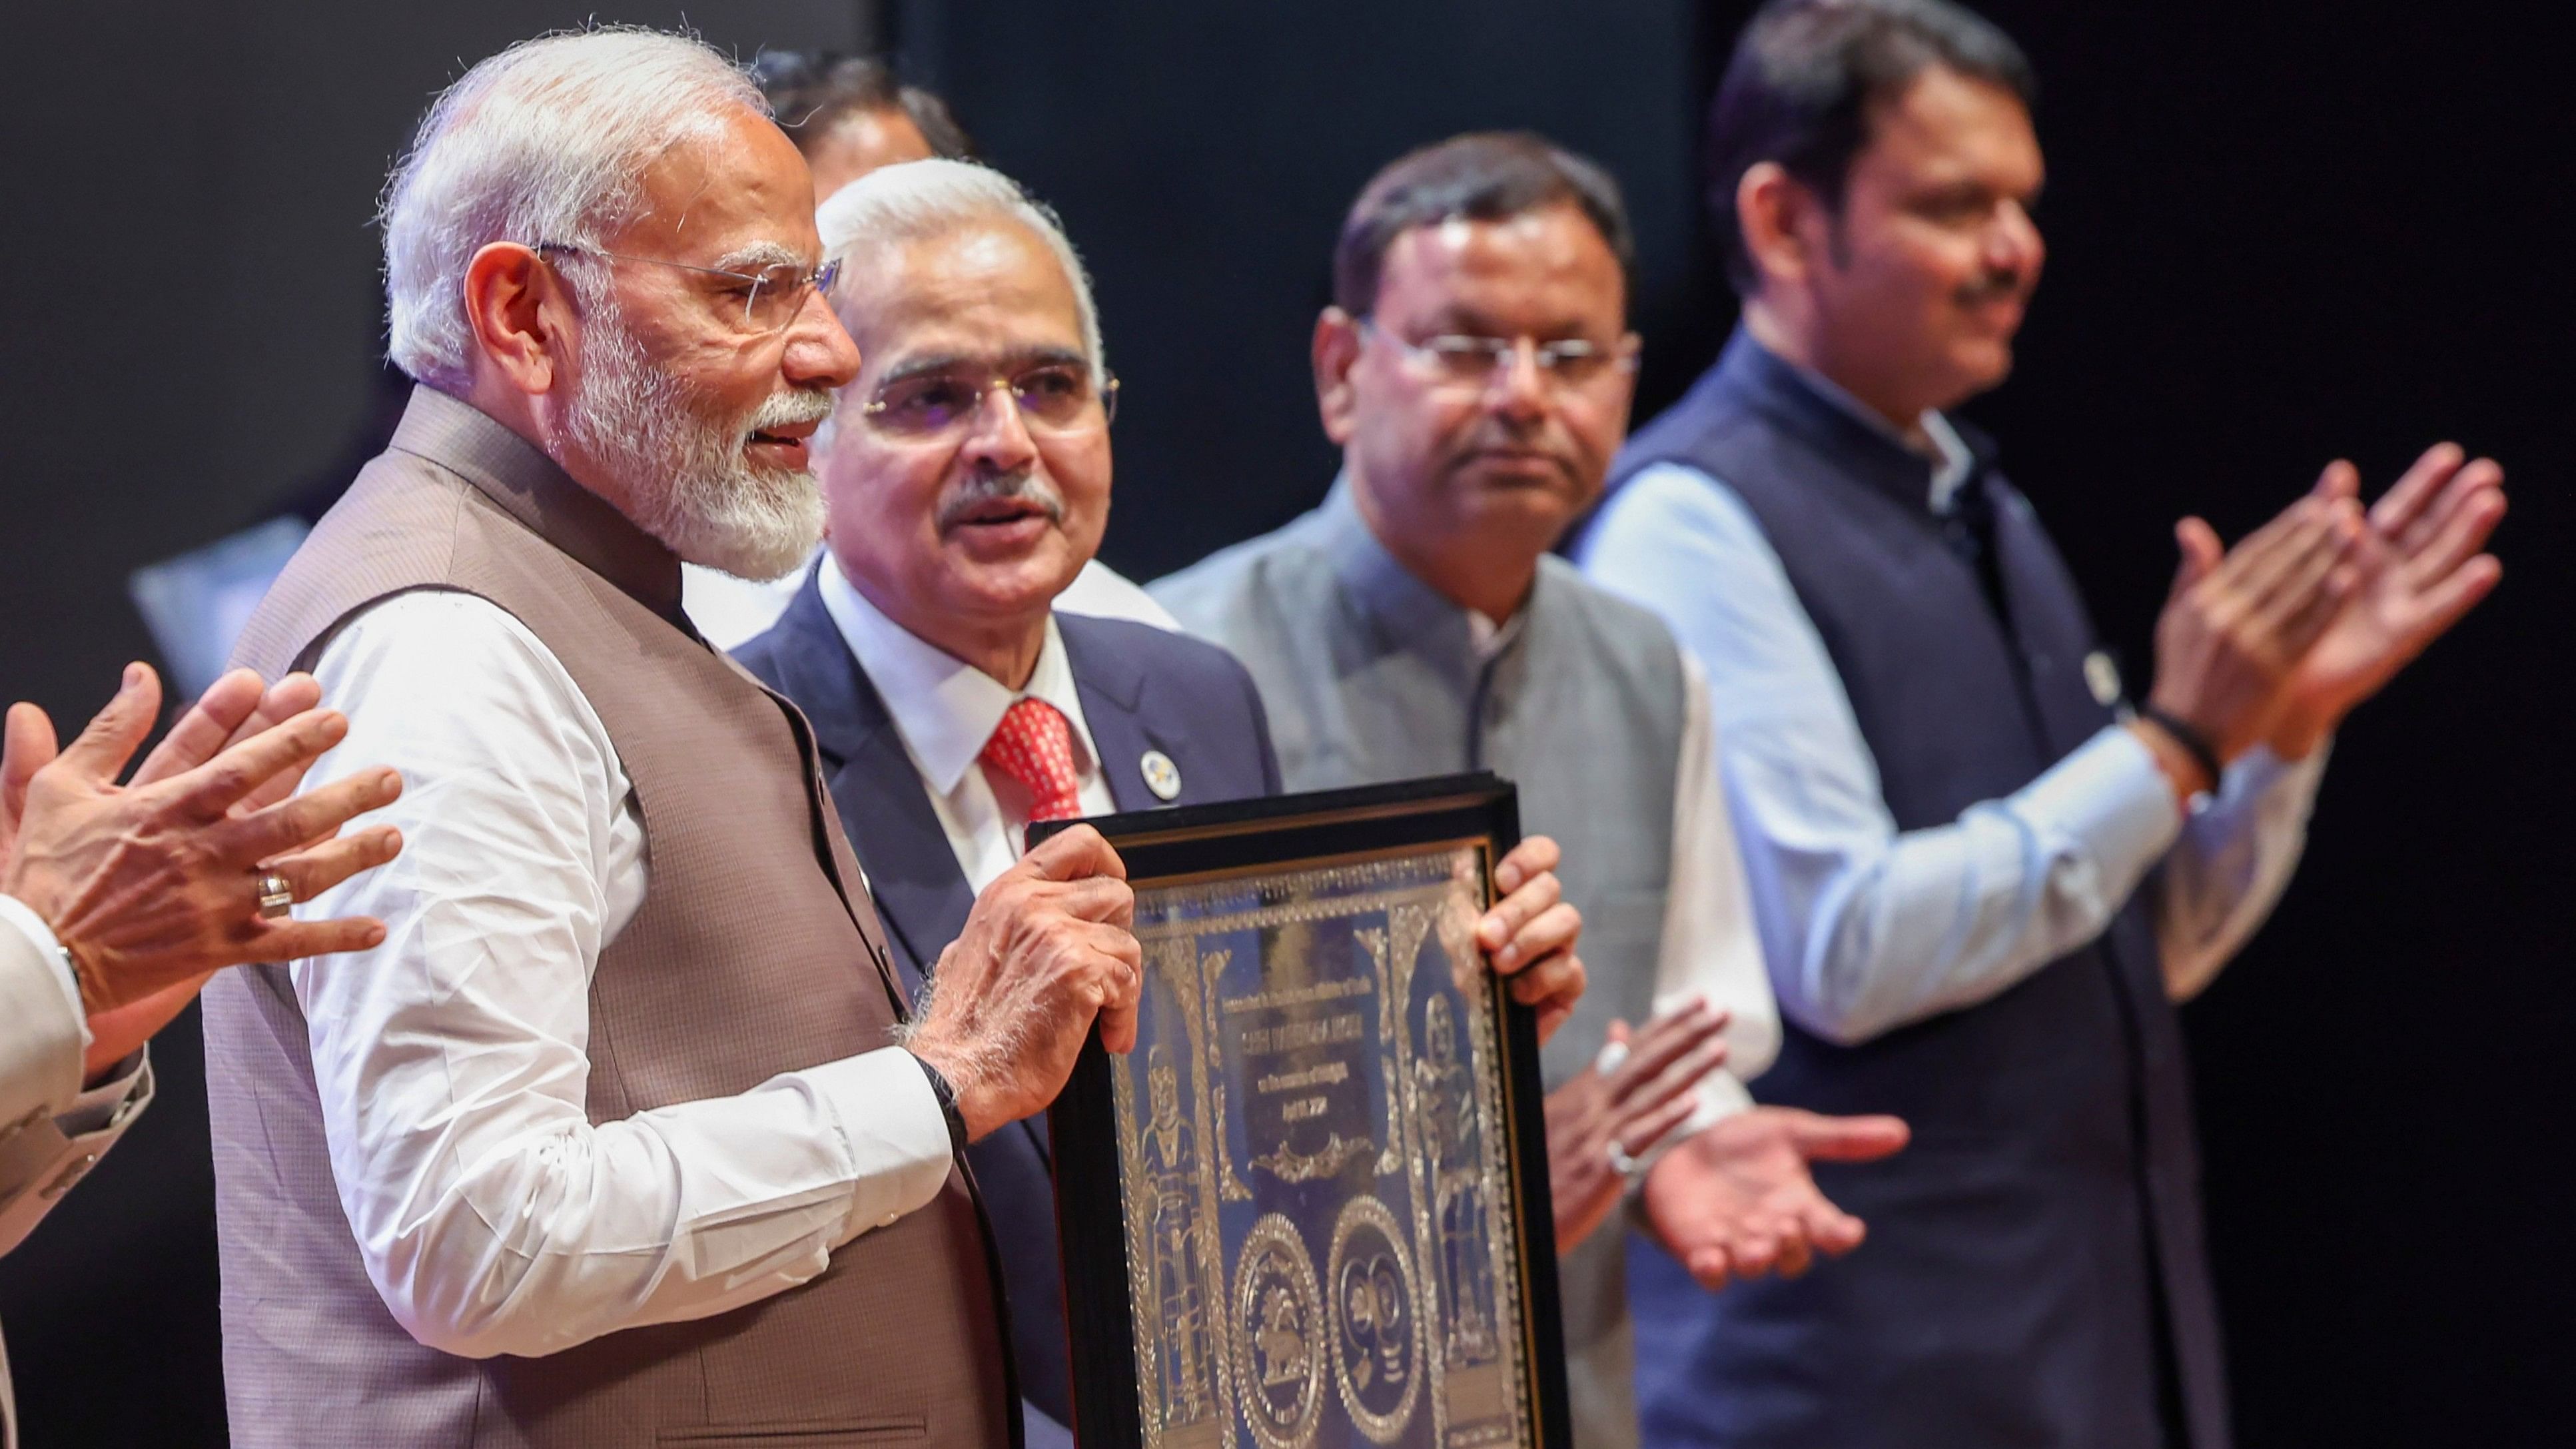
pixel 893 1131
pixel 112 1102
pixel 2258 772
pixel 2111 795
pixel 18 913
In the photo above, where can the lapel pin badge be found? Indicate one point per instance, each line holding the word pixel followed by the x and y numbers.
pixel 2103 677
pixel 1161 775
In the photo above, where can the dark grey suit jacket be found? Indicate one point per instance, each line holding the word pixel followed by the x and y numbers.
pixel 1142 689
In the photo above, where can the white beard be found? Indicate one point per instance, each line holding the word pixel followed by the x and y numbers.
pixel 689 481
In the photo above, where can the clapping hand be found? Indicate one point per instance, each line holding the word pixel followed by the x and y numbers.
pixel 2238 622
pixel 152 886
pixel 2421 571
pixel 1649 1089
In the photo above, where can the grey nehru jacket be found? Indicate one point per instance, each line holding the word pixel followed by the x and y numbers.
pixel 756 951
pixel 1371 676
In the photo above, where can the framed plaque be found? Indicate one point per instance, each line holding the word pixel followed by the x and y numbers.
pixel 1310 1210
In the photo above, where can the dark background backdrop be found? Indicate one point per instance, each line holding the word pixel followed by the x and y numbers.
pixel 2277 234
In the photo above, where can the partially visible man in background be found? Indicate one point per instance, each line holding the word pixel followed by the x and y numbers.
pixel 1983 881
pixel 849 115
pixel 116 903
pixel 1475 370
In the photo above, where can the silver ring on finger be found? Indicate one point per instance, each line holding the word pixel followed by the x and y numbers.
pixel 1620 1162
pixel 276 896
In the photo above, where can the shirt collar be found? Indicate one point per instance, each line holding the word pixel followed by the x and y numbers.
pixel 532 488
pixel 1952 459
pixel 1415 616
pixel 944 708
pixel 1488 639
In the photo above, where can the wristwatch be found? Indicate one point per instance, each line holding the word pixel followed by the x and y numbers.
pixel 947 1096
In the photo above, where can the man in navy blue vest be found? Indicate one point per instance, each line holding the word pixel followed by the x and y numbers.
pixel 966 484
pixel 1983 880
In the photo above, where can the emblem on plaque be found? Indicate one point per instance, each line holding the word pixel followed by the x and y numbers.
pixel 1377 1358
pixel 1278 1323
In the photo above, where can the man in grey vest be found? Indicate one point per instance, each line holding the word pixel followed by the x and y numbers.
pixel 1475 370
pixel 611 1141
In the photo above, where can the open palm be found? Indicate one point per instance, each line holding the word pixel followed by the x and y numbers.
pixel 1736 1200
pixel 2422 571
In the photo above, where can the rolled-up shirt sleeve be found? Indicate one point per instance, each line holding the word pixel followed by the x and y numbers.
pixel 1866 928
pixel 452 1060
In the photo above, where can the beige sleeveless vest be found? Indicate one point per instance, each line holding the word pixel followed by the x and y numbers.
pixel 756 951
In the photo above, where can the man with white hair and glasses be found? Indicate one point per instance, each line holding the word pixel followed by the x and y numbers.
pixel 609 1141
pixel 954 699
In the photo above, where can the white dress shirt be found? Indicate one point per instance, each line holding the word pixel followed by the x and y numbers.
pixel 945 709
pixel 1867 928
pixel 451 1061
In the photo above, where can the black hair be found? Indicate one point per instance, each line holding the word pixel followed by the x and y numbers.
pixel 813 91
pixel 1799 88
pixel 1482 176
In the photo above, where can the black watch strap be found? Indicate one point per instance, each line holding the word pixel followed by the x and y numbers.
pixel 2193 742
pixel 947 1096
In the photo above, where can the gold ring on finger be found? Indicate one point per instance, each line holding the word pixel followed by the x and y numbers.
pixel 276 896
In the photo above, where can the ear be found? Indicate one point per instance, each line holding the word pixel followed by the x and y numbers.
pixel 522 316
pixel 1779 217
pixel 1336 351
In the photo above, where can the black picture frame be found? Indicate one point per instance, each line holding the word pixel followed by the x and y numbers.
pixel 1290 832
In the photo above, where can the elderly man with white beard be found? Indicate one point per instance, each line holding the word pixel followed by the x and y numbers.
pixel 611 1139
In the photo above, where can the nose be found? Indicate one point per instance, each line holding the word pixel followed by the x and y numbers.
pixel 997 435
pixel 1518 387
pixel 820 351
pixel 2013 243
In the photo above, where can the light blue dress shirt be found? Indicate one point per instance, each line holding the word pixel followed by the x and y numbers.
pixel 1866 929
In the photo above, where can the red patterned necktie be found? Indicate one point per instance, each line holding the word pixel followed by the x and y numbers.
pixel 1034 745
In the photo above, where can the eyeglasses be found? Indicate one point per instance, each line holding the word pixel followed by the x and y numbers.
pixel 1056 397
pixel 1462 361
pixel 772 297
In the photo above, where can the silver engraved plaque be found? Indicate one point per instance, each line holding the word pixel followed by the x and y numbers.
pixel 1318 1150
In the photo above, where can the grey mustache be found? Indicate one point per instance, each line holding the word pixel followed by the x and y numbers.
pixel 1021 487
pixel 786 409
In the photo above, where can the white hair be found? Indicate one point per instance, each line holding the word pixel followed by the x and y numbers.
pixel 546 142
pixel 919 200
